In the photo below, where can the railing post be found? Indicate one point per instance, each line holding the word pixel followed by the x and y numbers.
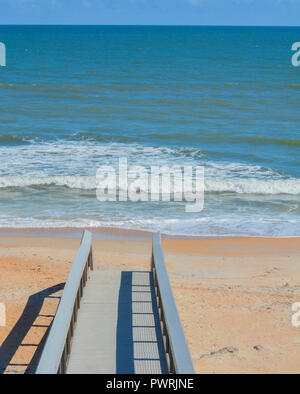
pixel 152 261
pixel 91 260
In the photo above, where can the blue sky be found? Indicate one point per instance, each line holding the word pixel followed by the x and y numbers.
pixel 161 12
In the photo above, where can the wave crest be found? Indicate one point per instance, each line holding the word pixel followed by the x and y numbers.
pixel 234 185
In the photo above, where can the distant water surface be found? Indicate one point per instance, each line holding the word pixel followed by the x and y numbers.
pixel 75 98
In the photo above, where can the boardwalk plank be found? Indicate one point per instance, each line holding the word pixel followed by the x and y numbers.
pixel 118 326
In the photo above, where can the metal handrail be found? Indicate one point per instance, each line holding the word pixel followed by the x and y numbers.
pixel 58 345
pixel 179 358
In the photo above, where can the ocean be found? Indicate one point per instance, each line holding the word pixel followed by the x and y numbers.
pixel 74 98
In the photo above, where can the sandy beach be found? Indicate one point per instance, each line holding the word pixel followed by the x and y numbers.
pixel 234 296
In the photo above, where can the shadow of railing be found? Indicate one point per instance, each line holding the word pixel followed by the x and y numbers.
pixel 124 355
pixel 15 338
pixel 137 314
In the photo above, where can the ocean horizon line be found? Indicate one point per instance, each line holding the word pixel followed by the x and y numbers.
pixel 144 25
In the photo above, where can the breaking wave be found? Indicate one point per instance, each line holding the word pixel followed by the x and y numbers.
pixel 237 185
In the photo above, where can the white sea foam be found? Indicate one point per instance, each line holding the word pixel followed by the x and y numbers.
pixel 254 186
pixel 79 158
pixel 72 166
pixel 206 226
pixel 72 182
pixel 233 185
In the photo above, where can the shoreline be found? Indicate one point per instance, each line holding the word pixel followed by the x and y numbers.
pixel 116 233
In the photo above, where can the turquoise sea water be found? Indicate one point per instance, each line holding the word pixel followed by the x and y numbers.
pixel 75 98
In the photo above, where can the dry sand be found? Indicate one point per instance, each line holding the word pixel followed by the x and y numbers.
pixel 234 297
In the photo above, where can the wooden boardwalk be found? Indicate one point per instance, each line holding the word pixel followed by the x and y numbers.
pixel 118 328
pixel 116 322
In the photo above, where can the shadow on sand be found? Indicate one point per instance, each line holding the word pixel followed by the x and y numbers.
pixel 15 338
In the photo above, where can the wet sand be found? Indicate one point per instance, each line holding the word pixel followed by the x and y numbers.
pixel 234 295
